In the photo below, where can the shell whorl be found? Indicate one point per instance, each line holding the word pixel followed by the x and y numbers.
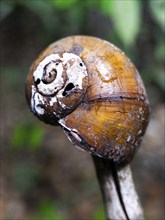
pixel 60 81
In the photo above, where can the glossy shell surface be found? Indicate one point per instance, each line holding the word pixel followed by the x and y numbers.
pixel 107 113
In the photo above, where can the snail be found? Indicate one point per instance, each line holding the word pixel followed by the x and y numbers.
pixel 94 92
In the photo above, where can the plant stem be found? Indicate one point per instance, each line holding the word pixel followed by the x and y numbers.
pixel 118 190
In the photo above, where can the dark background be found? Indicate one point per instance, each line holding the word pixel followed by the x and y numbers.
pixel 42 175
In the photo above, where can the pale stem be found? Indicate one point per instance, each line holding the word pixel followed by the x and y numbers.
pixel 118 190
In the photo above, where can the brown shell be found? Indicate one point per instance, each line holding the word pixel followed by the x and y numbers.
pixel 113 115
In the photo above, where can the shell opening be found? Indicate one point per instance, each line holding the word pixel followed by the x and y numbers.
pixel 68 89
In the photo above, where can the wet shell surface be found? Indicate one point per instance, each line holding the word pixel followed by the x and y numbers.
pixel 90 88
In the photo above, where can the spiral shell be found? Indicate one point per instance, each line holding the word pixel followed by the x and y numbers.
pixel 90 88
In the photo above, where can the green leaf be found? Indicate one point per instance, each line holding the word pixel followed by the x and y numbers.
pixel 158 12
pixel 46 210
pixel 100 214
pixel 18 137
pixel 63 4
pixel 126 16
pixel 105 6
pixel 26 135
pixel 36 138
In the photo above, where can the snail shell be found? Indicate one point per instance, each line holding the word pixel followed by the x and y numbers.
pixel 90 88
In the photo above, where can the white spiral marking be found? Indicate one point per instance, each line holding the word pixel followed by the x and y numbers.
pixel 75 73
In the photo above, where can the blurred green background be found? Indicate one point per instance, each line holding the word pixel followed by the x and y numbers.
pixel 43 177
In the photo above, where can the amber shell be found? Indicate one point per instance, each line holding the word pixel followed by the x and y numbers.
pixel 113 115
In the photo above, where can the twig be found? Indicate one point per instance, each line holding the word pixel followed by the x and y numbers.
pixel 118 190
